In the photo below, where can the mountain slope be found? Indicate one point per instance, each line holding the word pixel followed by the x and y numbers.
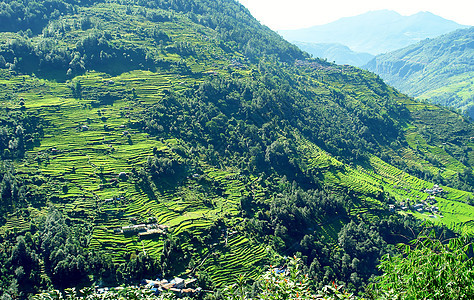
pixel 440 70
pixel 337 53
pixel 182 138
pixel 375 32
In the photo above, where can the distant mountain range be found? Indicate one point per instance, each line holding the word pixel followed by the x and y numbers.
pixel 184 139
pixel 375 32
pixel 337 53
pixel 441 69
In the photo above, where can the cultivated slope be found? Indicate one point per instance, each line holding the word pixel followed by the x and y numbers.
pixel 440 70
pixel 191 115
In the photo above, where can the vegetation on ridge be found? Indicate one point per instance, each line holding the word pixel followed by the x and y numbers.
pixel 181 138
pixel 439 70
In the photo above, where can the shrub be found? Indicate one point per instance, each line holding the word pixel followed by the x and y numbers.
pixel 428 269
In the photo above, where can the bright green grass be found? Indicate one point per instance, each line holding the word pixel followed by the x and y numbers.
pixel 240 256
pixel 378 177
pixel 87 161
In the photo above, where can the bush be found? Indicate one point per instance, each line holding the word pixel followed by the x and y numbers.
pixel 428 269
pixel 288 283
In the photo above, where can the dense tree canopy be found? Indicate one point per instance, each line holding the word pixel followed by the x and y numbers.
pixel 189 114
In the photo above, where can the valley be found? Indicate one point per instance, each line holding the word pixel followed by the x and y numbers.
pixel 173 146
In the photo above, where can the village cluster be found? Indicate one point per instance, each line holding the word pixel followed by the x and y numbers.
pixel 427 205
pixel 179 286
pixel 143 230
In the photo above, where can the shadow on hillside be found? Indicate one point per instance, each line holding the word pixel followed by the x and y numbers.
pixel 113 68
pixel 161 185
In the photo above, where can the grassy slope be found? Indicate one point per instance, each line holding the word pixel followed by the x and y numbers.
pixel 88 161
pixel 439 69
pixel 90 153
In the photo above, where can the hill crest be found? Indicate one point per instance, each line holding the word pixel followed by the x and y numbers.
pixel 375 32
pixel 439 70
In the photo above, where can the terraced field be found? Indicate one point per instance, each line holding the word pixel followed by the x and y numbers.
pixel 380 177
pixel 87 146
pixel 239 256
pixel 183 123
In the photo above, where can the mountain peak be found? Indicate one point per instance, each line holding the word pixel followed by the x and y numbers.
pixel 431 69
pixel 376 31
pixel 425 13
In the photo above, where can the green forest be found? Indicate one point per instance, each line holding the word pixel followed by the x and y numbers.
pixel 438 70
pixel 181 138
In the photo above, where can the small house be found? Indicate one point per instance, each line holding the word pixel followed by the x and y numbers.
pixel 134 228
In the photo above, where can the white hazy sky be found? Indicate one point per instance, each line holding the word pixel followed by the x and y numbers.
pixel 295 14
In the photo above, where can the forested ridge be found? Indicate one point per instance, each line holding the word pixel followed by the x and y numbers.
pixel 438 70
pixel 182 138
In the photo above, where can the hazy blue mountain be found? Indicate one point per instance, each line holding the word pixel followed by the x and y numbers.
pixel 440 69
pixel 181 138
pixel 337 53
pixel 375 32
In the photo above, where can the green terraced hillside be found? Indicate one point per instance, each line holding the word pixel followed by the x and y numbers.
pixel 182 138
pixel 439 70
